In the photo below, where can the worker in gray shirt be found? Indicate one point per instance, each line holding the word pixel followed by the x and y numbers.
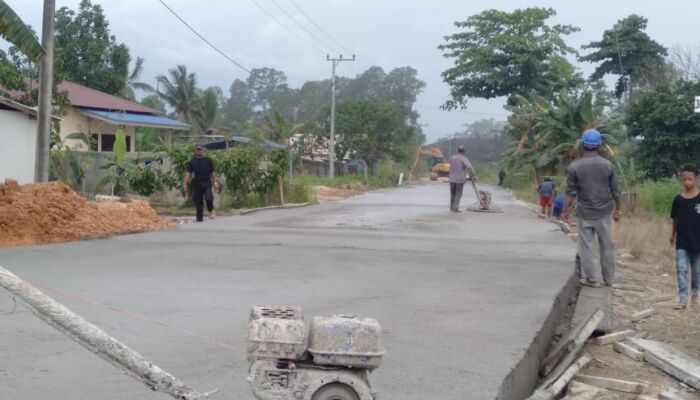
pixel 459 166
pixel 592 181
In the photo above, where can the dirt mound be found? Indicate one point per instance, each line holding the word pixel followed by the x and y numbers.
pixel 325 194
pixel 53 212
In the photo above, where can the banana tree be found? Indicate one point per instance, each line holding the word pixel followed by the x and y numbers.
pixel 117 167
pixel 15 31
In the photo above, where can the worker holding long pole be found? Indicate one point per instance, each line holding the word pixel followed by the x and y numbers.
pixel 459 167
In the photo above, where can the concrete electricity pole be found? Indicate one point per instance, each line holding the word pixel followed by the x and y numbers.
pixel 43 137
pixel 331 150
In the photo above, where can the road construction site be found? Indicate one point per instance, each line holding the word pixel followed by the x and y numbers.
pixel 467 302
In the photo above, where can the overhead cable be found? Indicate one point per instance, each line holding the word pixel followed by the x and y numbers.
pixel 226 56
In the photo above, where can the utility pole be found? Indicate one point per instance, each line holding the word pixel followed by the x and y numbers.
pixel 43 136
pixel 331 150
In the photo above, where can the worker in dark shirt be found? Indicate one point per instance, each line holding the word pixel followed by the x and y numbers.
pixel 592 182
pixel 204 179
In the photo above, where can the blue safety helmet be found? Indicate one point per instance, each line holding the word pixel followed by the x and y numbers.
pixel 591 138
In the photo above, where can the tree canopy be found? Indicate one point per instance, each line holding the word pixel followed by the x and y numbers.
pixel 86 51
pixel 626 50
pixel 499 53
pixel 669 129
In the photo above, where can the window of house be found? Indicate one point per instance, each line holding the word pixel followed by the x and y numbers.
pixel 108 142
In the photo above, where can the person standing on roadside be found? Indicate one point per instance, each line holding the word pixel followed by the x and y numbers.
pixel 546 190
pixel 685 213
pixel 592 182
pixel 202 168
pixel 501 176
pixel 459 167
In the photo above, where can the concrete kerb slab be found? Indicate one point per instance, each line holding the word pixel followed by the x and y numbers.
pixel 524 376
pixel 284 207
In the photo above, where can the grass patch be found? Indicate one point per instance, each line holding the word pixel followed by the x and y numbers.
pixel 646 236
pixel 656 197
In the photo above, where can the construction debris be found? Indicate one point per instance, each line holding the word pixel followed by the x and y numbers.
pixel 634 288
pixel 671 360
pixel 581 391
pixel 661 299
pixel 629 351
pixel 550 391
pixel 640 315
pixel 612 384
pixel 53 212
pixel 613 337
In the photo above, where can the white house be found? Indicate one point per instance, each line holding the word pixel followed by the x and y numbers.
pixel 18 130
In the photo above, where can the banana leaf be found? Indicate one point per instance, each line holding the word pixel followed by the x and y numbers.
pixel 15 31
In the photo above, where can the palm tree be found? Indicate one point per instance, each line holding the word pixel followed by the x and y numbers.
pixel 179 91
pixel 132 84
pixel 205 109
pixel 280 129
pixel 15 31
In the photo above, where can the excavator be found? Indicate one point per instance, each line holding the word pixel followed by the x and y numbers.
pixel 439 168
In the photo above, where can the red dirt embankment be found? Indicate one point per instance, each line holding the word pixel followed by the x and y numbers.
pixel 53 212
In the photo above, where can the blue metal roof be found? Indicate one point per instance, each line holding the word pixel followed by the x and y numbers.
pixel 136 119
pixel 235 140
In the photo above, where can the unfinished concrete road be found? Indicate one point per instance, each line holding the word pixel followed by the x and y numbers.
pixel 461 297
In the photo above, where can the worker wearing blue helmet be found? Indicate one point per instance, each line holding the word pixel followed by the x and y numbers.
pixel 592 182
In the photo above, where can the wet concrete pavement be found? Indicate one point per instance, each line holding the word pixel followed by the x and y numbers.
pixel 461 297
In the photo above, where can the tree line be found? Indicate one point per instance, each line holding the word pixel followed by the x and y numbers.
pixel 647 116
pixel 375 108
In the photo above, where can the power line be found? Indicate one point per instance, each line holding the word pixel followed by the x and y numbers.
pixel 203 38
pixel 319 28
pixel 436 108
pixel 299 24
pixel 320 50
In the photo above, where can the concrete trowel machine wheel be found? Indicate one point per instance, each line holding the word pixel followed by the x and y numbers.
pixel 331 362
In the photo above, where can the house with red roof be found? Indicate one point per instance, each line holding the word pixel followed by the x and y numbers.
pixel 100 115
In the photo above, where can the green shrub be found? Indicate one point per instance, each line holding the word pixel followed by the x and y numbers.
pixel 656 197
pixel 146 181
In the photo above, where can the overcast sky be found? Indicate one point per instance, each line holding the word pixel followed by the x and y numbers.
pixel 387 33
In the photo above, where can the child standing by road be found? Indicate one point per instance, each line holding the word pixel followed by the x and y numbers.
pixel 685 213
pixel 546 190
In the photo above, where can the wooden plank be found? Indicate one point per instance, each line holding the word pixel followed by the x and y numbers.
pixel 662 298
pixel 549 392
pixel 674 362
pixel 612 384
pixel 638 316
pixel 567 376
pixel 613 337
pixel 668 395
pixel 633 288
pixel 629 351
pixel 581 334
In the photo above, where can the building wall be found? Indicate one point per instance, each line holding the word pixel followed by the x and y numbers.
pixel 75 121
pixel 17 146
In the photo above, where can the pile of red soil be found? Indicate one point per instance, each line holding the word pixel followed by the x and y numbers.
pixel 53 212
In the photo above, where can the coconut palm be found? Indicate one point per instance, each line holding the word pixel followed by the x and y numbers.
pixel 278 128
pixel 179 90
pixel 15 31
pixel 205 109
pixel 132 83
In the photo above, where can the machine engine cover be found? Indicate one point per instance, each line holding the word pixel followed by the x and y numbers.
pixel 276 332
pixel 346 341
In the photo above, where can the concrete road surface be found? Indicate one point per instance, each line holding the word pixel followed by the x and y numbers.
pixel 461 297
